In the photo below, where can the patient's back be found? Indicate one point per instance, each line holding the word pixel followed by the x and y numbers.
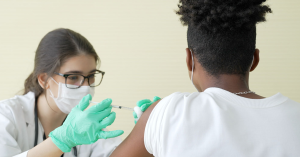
pixel 218 123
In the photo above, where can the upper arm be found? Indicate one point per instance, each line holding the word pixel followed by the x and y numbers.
pixel 133 145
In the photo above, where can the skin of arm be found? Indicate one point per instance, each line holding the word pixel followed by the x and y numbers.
pixel 133 145
pixel 46 149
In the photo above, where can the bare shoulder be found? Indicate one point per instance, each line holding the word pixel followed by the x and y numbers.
pixel 133 145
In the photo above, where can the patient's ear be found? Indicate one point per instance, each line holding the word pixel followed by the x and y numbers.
pixel 255 60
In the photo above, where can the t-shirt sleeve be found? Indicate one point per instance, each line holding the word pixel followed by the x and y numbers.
pixel 152 134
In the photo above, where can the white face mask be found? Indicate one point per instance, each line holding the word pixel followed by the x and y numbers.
pixel 251 63
pixel 68 98
pixel 193 64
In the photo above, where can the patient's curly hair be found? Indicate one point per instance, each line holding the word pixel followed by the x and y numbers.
pixel 222 33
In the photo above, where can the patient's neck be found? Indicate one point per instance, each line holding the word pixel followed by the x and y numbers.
pixel 231 83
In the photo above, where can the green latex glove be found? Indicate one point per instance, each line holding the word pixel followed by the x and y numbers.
pixel 141 107
pixel 85 127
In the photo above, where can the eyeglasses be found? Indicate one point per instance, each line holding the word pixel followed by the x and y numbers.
pixel 74 81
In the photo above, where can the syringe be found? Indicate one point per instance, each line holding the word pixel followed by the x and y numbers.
pixel 115 106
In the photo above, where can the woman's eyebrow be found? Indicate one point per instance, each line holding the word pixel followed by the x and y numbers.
pixel 79 72
pixel 74 72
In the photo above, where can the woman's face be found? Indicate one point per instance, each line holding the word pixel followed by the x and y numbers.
pixel 81 64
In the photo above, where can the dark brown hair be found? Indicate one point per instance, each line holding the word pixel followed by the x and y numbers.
pixel 54 49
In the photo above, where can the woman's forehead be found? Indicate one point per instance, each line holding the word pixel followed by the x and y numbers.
pixel 79 64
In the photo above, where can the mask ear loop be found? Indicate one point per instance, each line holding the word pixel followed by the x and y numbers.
pixel 251 63
pixel 54 80
pixel 193 64
pixel 51 95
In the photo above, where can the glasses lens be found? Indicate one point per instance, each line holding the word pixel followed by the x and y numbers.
pixel 74 81
pixel 95 79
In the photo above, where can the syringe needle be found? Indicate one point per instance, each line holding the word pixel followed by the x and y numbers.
pixel 115 106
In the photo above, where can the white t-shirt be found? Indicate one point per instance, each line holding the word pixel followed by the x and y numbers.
pixel 217 123
pixel 17 131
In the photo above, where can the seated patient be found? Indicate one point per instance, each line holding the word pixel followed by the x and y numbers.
pixel 225 118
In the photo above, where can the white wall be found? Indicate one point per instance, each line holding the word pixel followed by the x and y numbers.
pixel 142 47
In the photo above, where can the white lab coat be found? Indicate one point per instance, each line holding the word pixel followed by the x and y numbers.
pixel 17 131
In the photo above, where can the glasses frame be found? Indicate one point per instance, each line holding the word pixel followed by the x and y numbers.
pixel 85 77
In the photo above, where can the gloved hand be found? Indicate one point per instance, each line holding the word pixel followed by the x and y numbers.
pixel 141 107
pixel 85 127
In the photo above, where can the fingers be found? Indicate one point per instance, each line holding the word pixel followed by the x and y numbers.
pixel 145 103
pixel 134 115
pixel 156 98
pixel 84 102
pixel 99 116
pixel 108 120
pixel 145 106
pixel 109 134
pixel 141 102
pixel 101 106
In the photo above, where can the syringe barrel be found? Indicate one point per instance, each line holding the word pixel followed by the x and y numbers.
pixel 116 106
